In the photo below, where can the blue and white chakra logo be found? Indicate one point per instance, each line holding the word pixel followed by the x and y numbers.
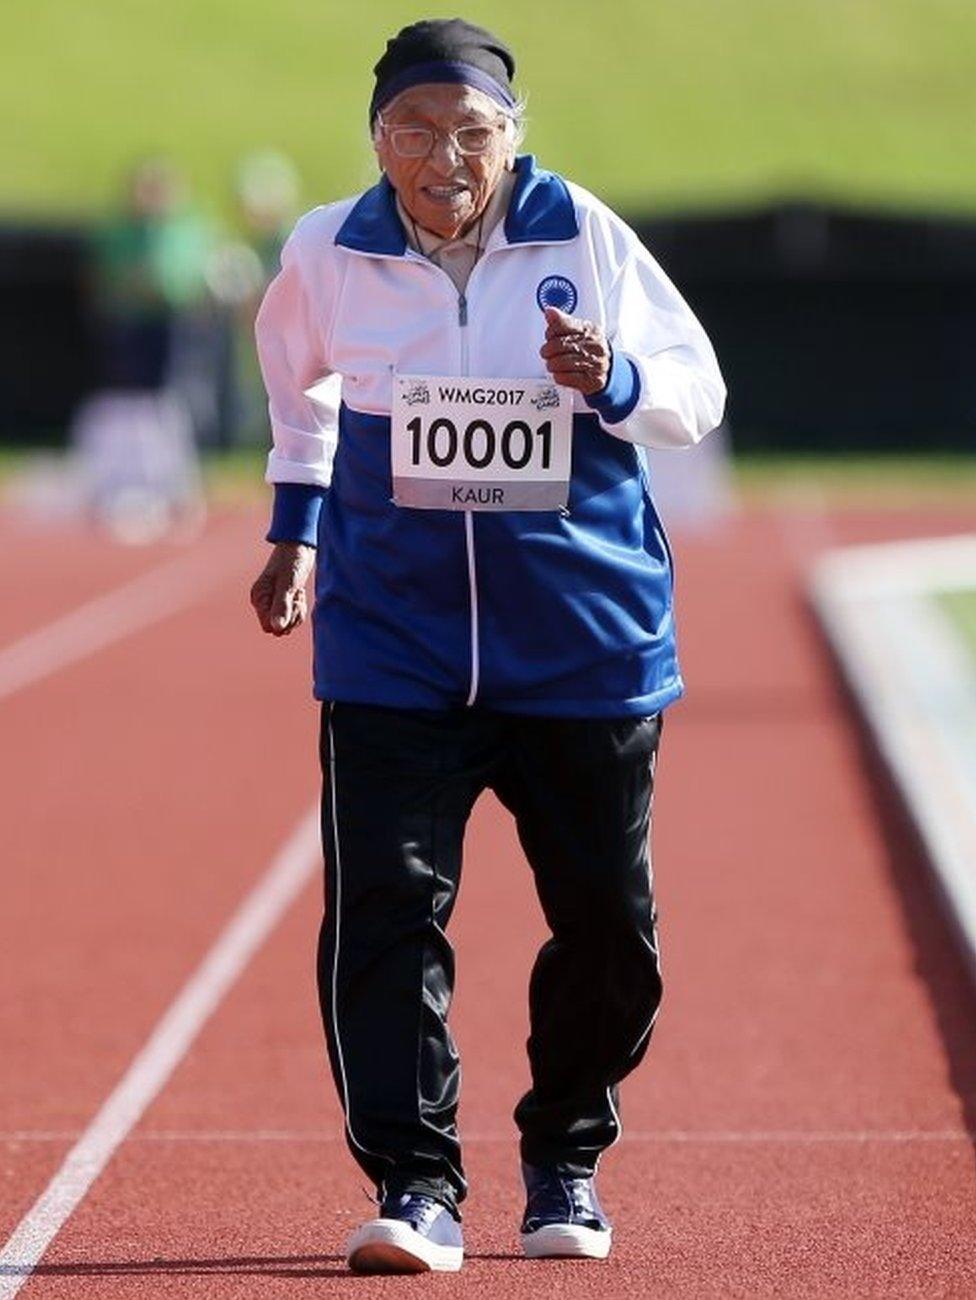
pixel 556 291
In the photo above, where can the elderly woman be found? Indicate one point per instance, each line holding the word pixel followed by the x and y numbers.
pixel 463 366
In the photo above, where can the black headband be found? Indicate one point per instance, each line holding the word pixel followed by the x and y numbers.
pixel 444 50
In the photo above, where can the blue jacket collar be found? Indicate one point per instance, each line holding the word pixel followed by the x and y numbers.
pixel 541 211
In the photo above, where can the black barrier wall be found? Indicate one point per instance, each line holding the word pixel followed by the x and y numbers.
pixel 836 330
pixel 46 357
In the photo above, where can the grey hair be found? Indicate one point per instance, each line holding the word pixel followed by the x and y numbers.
pixel 518 117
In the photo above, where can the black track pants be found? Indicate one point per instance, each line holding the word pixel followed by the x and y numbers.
pixel 398 786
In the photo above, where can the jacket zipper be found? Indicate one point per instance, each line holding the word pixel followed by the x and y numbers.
pixel 469 531
pixel 462 317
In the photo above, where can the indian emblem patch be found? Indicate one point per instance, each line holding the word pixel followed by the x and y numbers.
pixel 556 291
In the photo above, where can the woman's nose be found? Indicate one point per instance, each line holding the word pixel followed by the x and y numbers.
pixel 444 155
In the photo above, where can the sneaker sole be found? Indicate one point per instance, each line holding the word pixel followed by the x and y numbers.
pixel 566 1241
pixel 389 1246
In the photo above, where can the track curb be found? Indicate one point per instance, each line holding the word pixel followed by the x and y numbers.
pixel 915 685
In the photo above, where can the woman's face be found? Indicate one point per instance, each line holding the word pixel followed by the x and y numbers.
pixel 446 191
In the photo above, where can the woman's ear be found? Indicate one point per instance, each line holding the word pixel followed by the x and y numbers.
pixel 376 140
pixel 378 149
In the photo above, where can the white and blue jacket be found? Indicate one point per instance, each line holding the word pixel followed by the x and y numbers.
pixel 526 612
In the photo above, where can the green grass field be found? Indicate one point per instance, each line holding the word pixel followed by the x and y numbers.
pixel 811 481
pixel 836 482
pixel 961 608
pixel 700 103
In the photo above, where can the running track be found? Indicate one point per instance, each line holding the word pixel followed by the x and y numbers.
pixel 803 1125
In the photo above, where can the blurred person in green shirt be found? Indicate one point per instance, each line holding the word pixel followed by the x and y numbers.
pixel 149 268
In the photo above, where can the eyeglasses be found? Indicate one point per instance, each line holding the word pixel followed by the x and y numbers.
pixel 418 141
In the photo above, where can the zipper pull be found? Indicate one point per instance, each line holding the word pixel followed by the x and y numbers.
pixel 462 309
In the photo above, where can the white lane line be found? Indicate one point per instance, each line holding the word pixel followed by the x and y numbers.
pixel 147 599
pixel 165 1048
pixel 916 566
pixel 759 1136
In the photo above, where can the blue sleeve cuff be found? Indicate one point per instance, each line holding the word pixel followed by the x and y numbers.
pixel 618 397
pixel 295 517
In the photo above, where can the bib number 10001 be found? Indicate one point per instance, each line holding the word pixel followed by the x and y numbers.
pixel 491 444
pixel 478 444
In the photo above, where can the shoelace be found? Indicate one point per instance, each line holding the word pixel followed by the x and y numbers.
pixel 429 1210
pixel 579 1195
pixel 564 1193
pixel 422 1210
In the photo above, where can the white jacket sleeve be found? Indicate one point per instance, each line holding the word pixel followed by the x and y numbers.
pixel 680 394
pixel 303 398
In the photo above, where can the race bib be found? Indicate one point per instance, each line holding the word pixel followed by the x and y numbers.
pixel 480 444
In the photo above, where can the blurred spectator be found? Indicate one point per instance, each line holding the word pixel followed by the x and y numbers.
pixel 266 193
pixel 148 267
pixel 135 467
pixel 694 487
pixel 135 462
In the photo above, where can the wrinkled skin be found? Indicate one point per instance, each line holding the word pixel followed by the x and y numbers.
pixel 576 352
pixel 446 192
pixel 278 594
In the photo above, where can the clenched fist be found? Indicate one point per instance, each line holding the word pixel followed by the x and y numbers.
pixel 576 352
pixel 278 595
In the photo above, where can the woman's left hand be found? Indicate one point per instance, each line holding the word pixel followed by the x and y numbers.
pixel 576 352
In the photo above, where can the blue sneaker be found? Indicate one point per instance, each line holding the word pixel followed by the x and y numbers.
pixel 563 1218
pixel 414 1234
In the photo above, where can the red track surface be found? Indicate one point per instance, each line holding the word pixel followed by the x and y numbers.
pixel 803 1124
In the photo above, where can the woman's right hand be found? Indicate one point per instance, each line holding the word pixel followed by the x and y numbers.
pixel 278 594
